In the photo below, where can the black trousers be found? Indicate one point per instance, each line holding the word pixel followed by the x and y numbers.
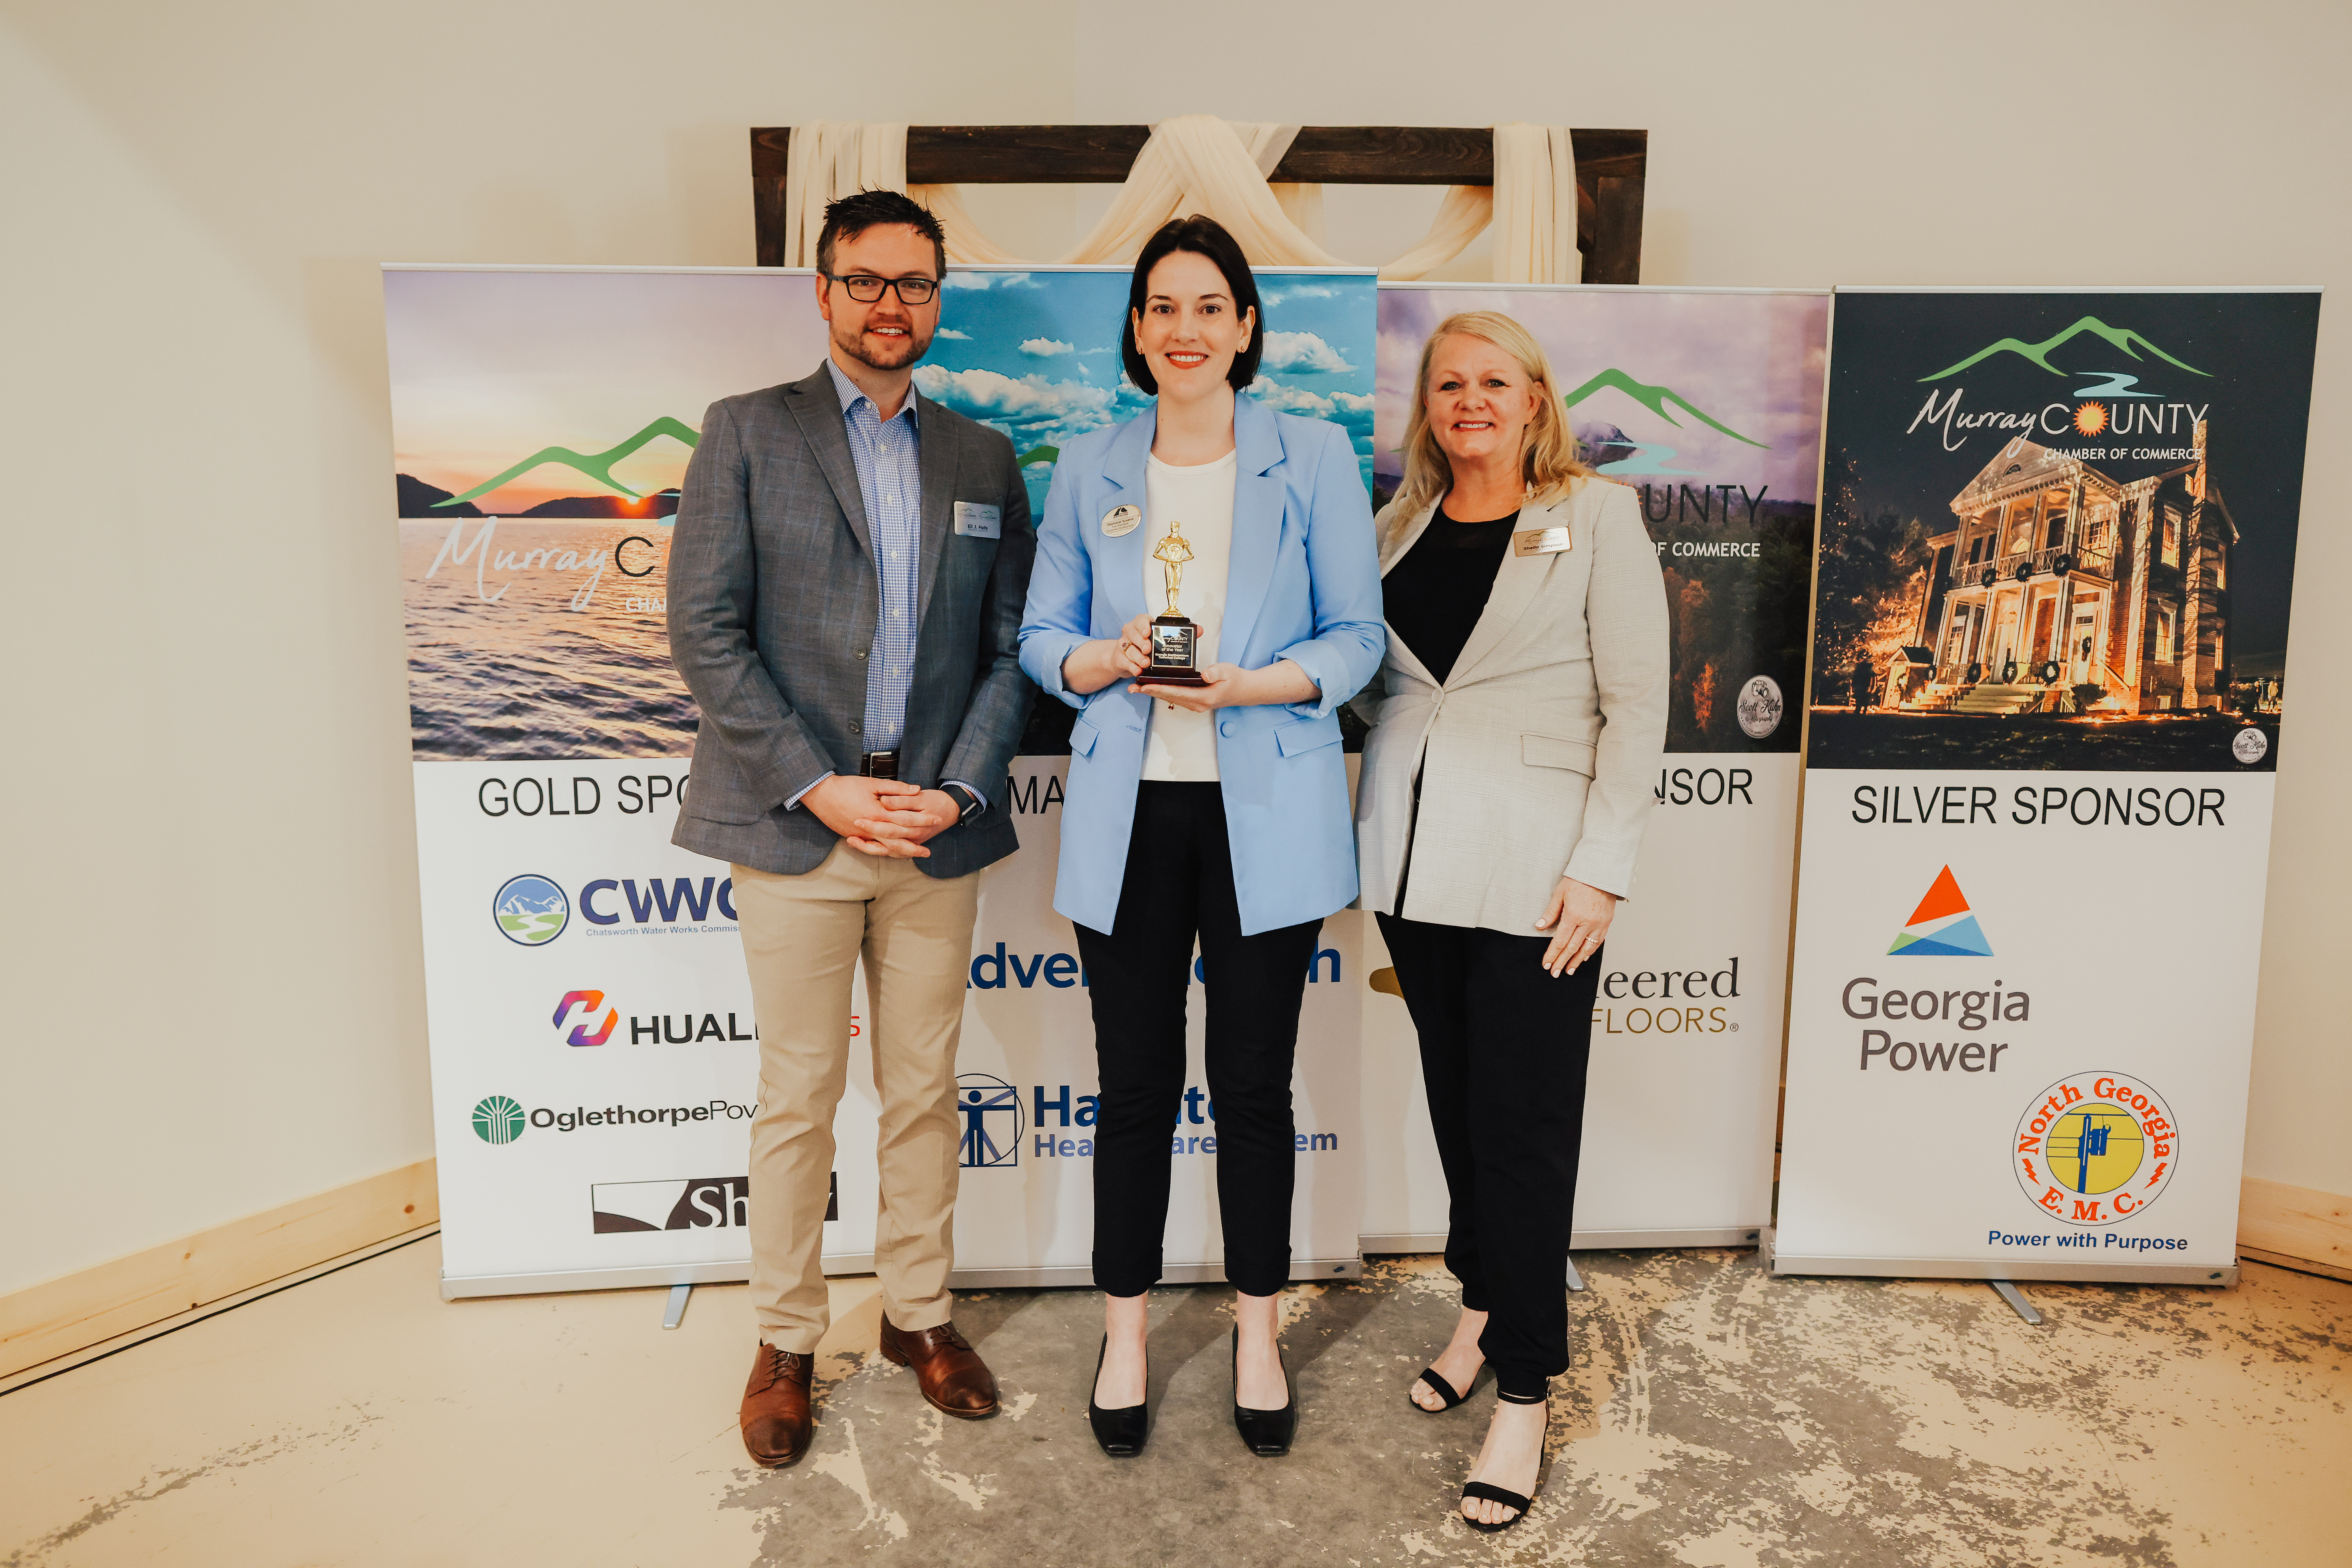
pixel 1502 1053
pixel 1180 883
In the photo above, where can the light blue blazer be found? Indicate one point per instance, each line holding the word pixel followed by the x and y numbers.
pixel 1303 583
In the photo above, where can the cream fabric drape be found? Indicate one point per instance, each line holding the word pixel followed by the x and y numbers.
pixel 1198 163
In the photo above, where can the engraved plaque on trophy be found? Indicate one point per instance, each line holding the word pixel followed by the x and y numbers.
pixel 1175 636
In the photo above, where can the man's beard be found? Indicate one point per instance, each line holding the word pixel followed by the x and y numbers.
pixel 882 354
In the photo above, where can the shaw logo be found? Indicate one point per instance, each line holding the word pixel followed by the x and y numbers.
pixel 2097 1148
pixel 1942 926
pixel 698 1203
pixel 498 1120
pixel 589 1000
pixel 991 1121
pixel 530 910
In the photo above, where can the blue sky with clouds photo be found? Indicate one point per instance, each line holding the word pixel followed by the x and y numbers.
pixel 1035 353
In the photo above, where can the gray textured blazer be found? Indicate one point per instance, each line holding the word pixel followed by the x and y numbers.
pixel 1539 754
pixel 772 605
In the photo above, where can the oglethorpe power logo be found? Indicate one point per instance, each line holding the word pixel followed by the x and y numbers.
pixel 2097 1147
pixel 498 1120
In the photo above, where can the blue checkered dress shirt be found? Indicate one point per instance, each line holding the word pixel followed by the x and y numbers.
pixel 888 455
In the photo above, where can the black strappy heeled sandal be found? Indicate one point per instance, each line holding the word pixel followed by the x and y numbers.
pixel 1444 1390
pixel 1479 1491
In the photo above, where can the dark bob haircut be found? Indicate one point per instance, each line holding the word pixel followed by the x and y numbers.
pixel 853 215
pixel 1203 236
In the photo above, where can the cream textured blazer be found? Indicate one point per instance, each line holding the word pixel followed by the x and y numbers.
pixel 1540 753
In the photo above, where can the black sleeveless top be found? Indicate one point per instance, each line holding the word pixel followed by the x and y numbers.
pixel 1435 594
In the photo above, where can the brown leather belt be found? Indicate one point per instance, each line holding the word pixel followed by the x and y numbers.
pixel 880 765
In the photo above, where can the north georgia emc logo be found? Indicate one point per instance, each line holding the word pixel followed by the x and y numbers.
pixel 1943 926
pixel 498 1120
pixel 2096 1148
pixel 991 1121
pixel 530 910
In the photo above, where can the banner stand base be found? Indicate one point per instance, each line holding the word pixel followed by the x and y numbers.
pixel 2010 1294
pixel 1581 1240
pixel 2003 1271
pixel 682 1277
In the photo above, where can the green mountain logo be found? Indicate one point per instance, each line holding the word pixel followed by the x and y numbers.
pixel 597 466
pixel 1654 399
pixel 2123 338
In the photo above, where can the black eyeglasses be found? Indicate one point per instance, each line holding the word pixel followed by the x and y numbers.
pixel 865 288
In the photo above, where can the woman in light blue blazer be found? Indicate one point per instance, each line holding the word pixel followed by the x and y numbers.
pixel 1217 811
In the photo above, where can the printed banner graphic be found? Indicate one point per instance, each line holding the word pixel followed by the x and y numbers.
pixel 1707 402
pixel 2046 679
pixel 595 1050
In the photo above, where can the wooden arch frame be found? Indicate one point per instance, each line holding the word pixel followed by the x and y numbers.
pixel 1609 168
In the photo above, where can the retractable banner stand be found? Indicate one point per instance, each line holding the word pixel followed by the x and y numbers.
pixel 1707 402
pixel 593 1047
pixel 2047 674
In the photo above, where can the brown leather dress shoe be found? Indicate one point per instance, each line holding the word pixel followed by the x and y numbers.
pixel 775 1417
pixel 952 1376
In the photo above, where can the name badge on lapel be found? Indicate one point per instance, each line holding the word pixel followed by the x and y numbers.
pixel 1121 521
pixel 1541 542
pixel 974 520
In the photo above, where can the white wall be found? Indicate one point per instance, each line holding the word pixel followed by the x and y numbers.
pixel 213 970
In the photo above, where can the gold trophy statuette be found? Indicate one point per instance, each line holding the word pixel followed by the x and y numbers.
pixel 1175 636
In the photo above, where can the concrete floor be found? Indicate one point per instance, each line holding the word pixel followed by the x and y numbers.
pixel 1717 1418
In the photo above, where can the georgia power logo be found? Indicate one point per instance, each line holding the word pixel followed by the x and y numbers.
pixel 530 910
pixel 1759 707
pixel 1943 926
pixel 2097 1147
pixel 498 1120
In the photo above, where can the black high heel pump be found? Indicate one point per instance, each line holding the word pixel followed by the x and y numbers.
pixel 1121 1433
pixel 1266 1432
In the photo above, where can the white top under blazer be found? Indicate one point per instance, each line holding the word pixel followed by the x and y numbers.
pixel 1180 744
pixel 1539 754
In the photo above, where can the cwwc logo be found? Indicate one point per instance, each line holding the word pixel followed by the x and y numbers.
pixel 1942 926
pixel 530 911
pixel 991 1121
pixel 2096 1148
pixel 588 1002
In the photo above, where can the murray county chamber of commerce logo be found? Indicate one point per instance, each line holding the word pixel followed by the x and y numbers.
pixel 498 1120
pixel 991 1121
pixel 2096 1148
pixel 530 910
pixel 2111 403
pixel 1943 926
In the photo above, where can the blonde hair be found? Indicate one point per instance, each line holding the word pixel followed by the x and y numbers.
pixel 1547 453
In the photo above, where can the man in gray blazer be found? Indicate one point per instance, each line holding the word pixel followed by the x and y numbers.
pixel 846 579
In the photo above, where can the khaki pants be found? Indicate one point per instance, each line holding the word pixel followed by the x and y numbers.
pixel 801 939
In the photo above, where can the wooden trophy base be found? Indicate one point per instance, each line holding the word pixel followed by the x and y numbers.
pixel 1175 640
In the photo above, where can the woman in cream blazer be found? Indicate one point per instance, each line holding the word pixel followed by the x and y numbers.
pixel 1517 723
